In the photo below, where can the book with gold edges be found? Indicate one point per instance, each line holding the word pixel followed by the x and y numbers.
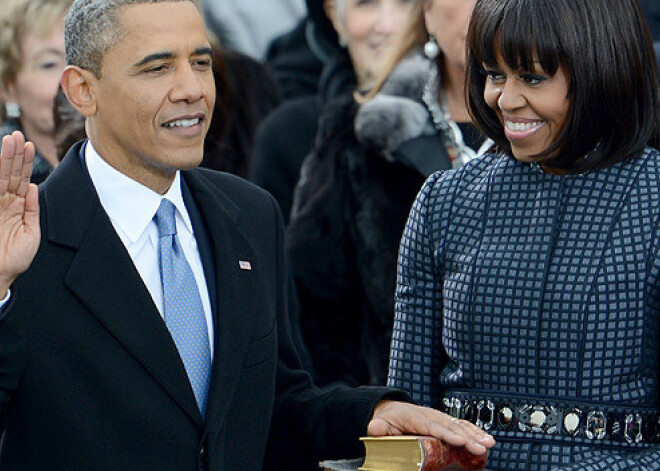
pixel 417 453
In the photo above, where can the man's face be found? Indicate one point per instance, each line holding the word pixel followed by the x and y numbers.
pixel 156 94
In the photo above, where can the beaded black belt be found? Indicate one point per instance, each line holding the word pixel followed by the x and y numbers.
pixel 533 416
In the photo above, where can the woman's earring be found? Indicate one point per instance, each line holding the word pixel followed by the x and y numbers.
pixel 431 49
pixel 343 42
pixel 13 110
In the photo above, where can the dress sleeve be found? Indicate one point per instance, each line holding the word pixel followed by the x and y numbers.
pixel 311 424
pixel 417 355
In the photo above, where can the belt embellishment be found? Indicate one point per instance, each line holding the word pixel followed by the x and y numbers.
pixel 593 424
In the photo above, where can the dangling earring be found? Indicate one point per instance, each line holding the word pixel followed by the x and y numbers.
pixel 343 42
pixel 431 49
pixel 13 110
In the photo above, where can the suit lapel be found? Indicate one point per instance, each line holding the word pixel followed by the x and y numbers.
pixel 235 289
pixel 102 276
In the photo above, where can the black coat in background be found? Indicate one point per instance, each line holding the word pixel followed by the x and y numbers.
pixel 297 58
pixel 348 215
pixel 311 69
pixel 283 140
pixel 293 64
pixel 245 94
pixel 287 135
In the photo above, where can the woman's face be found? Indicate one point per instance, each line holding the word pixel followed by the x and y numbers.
pixel 531 105
pixel 38 78
pixel 448 20
pixel 369 27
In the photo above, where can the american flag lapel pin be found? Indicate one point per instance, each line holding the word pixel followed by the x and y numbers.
pixel 244 265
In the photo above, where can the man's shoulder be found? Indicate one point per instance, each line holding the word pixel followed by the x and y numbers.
pixel 227 183
pixel 224 198
pixel 231 190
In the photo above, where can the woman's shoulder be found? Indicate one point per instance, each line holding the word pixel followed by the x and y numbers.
pixel 651 160
pixel 444 192
pixel 643 170
pixel 648 173
pixel 473 173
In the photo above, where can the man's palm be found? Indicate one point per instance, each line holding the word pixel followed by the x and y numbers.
pixel 19 209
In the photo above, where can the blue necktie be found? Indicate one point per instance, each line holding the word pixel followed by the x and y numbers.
pixel 184 314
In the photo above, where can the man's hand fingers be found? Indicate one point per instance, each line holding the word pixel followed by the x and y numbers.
pixel 31 217
pixel 16 159
pixel 6 161
pixel 26 170
pixel 462 433
pixel 16 170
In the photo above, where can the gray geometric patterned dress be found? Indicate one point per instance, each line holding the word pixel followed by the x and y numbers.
pixel 529 303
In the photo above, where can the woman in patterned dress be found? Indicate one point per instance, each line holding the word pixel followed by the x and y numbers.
pixel 528 292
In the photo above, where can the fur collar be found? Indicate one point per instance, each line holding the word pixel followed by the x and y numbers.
pixel 397 113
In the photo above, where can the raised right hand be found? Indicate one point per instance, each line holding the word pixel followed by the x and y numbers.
pixel 19 209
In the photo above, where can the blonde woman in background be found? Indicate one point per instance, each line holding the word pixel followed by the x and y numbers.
pixel 31 64
pixel 356 188
pixel 421 91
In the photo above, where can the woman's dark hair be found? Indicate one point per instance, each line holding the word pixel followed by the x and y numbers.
pixel 605 48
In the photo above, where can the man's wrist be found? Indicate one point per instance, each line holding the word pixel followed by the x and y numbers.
pixel 5 285
pixel 4 302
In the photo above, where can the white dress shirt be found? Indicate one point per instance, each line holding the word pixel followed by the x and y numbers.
pixel 137 230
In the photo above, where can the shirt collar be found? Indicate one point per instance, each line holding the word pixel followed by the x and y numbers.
pixel 118 194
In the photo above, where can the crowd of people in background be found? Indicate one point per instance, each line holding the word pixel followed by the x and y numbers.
pixel 418 232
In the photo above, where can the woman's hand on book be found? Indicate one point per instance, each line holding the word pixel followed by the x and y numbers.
pixel 399 418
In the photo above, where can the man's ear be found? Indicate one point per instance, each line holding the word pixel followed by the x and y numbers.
pixel 77 85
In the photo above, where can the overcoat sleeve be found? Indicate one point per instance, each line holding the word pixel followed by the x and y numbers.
pixel 12 355
pixel 310 424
